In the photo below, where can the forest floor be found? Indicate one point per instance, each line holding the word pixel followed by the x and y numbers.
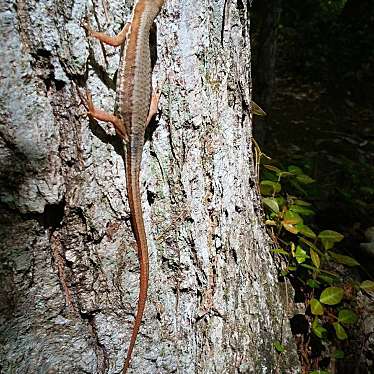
pixel 332 139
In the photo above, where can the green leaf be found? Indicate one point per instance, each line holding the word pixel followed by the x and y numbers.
pixel 290 228
pixel 367 285
pixel 330 273
pixel 293 248
pixel 347 317
pixel 315 258
pixel 284 272
pixel 339 331
pixel 318 329
pixel 313 268
pixel 316 307
pixel 306 231
pixel 305 179
pixel 280 200
pixel 267 175
pixel 339 354
pixel 284 174
pixel 312 283
pixel 280 251
pixel 300 255
pixel 270 222
pixel 272 168
pixel 343 259
pixel 326 278
pixel 296 185
pixel 319 372
pixel 302 202
pixel 329 238
pixel 295 170
pixel 301 210
pixel 367 190
pixel 331 295
pixel 279 346
pixel 292 218
pixel 268 187
pixel 271 203
pixel 309 243
pixel 255 109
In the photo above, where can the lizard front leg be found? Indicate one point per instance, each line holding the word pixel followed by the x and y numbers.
pixel 117 122
pixel 114 41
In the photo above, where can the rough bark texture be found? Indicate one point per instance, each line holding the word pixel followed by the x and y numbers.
pixel 69 271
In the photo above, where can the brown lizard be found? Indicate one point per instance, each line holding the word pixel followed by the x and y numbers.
pixel 135 108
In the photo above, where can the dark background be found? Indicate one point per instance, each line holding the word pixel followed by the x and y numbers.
pixel 313 74
pixel 314 77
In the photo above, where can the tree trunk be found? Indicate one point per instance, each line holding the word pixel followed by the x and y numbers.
pixel 69 269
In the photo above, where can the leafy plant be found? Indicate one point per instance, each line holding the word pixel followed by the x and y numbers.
pixel 310 255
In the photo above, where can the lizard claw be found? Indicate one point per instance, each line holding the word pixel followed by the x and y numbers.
pixel 89 103
pixel 87 26
pixel 86 101
pixel 159 88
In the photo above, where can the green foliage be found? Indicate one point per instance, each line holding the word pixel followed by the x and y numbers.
pixel 329 238
pixel 367 285
pixel 339 330
pixel 331 7
pixel 339 354
pixel 347 317
pixel 344 260
pixel 318 330
pixel 332 295
pixel 279 347
pixel 268 187
pixel 316 307
pixel 356 194
pixel 311 255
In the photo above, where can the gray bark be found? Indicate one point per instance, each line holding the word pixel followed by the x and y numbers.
pixel 69 270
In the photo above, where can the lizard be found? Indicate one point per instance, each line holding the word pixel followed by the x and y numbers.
pixel 135 108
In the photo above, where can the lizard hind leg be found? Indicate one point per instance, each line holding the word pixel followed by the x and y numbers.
pixel 100 115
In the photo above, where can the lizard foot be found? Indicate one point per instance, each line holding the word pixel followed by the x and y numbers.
pixel 153 108
pixel 106 117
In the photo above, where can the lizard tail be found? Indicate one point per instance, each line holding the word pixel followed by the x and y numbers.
pixel 141 242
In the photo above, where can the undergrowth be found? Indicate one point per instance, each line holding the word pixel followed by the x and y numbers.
pixel 314 261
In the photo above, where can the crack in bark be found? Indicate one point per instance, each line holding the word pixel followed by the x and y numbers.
pixel 100 349
pixel 59 260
